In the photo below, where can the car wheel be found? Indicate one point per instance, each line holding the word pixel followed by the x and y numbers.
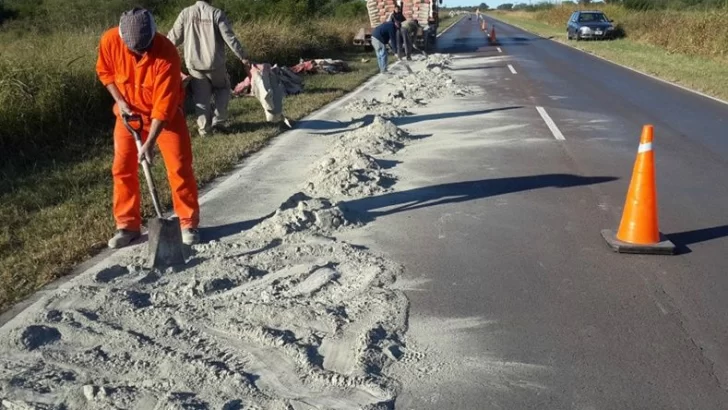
pixel 578 37
pixel 568 35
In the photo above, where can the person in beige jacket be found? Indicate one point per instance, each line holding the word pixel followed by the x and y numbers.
pixel 205 30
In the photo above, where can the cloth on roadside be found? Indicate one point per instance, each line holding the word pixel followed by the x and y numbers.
pixel 292 83
pixel 326 65
pixel 266 86
pixel 152 87
pixel 205 30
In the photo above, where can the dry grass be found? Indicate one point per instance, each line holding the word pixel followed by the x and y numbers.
pixel 55 181
pixel 703 68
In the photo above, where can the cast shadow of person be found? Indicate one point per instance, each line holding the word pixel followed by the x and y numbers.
pixel 370 208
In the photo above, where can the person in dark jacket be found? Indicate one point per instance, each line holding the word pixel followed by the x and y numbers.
pixel 399 19
pixel 383 35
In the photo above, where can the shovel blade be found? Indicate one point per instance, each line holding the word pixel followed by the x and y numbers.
pixel 165 243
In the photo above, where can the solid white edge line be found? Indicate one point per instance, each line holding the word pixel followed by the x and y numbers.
pixel 682 87
pixel 551 124
pixel 513 70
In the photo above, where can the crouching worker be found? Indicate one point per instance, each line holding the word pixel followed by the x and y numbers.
pixel 141 70
pixel 408 35
pixel 383 34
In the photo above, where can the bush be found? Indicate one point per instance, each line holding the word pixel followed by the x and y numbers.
pixel 351 10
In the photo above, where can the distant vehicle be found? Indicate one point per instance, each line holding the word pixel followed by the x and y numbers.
pixel 589 24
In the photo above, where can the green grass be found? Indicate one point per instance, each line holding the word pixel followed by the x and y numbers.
pixel 58 214
pixel 701 73
pixel 447 21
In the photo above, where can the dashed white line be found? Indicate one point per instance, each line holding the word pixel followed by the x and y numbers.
pixel 499 49
pixel 551 124
pixel 513 70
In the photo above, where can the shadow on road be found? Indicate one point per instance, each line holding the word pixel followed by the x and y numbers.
pixel 683 239
pixel 482 67
pixel 399 121
pixel 370 208
pixel 335 127
pixel 215 233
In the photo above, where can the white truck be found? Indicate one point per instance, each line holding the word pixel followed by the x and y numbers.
pixel 424 11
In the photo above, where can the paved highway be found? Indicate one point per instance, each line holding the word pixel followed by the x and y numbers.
pixel 516 301
pixel 513 290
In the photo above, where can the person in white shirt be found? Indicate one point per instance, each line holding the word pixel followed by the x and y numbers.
pixel 205 31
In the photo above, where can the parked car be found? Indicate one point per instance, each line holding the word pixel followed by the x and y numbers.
pixel 589 24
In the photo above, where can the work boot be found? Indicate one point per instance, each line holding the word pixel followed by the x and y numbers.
pixel 190 236
pixel 122 238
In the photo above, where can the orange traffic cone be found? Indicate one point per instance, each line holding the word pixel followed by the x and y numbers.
pixel 482 25
pixel 492 34
pixel 638 230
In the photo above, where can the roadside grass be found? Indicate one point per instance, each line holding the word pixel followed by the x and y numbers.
pixel 54 217
pixel 701 73
pixel 446 21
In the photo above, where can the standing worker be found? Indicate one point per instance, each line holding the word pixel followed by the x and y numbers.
pixel 398 18
pixel 205 30
pixel 141 69
pixel 383 34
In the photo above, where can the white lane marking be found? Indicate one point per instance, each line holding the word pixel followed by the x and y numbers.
pixel 644 147
pixel 513 70
pixel 551 124
pixel 499 49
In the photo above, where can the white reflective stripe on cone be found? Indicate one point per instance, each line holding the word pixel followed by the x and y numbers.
pixel 645 147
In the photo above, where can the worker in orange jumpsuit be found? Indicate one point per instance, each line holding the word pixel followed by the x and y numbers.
pixel 141 69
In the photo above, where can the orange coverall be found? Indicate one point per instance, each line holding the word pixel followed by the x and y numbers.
pixel 152 87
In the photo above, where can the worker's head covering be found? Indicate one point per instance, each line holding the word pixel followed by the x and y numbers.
pixel 137 29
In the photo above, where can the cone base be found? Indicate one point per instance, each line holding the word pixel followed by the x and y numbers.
pixel 664 247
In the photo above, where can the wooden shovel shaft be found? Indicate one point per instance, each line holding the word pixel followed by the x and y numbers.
pixel 135 132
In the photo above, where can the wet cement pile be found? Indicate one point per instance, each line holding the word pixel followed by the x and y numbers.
pixel 413 89
pixel 348 169
pixel 281 316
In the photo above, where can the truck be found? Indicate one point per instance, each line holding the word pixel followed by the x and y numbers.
pixel 426 12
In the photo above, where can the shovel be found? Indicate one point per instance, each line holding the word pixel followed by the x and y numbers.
pixel 424 53
pixel 165 235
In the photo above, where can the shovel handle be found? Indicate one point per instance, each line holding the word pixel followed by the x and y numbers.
pixel 129 121
pixel 136 131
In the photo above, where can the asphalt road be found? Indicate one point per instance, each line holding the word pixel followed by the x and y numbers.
pixel 499 231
